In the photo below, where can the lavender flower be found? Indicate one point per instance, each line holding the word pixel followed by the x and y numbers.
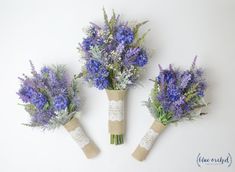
pixel 185 77
pixel 48 97
pixel 42 118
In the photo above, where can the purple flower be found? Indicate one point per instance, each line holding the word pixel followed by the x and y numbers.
pixel 201 89
pixel 42 117
pixel 103 72
pixel 179 102
pixel 120 48
pixel 185 78
pixel 39 100
pixel 60 102
pixel 93 31
pixel 30 95
pixel 26 93
pixel 166 76
pixel 124 35
pixel 47 92
pixel 130 56
pixel 141 59
pixel 99 41
pixel 93 66
pixel 111 49
pixel 96 69
pixel 173 93
pixel 101 82
pixel 179 91
pixel 45 70
pixel 87 43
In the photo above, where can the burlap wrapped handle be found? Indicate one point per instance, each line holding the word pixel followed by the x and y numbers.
pixel 76 131
pixel 147 141
pixel 116 111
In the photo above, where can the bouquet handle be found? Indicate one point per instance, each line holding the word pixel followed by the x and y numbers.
pixel 78 134
pixel 116 123
pixel 148 140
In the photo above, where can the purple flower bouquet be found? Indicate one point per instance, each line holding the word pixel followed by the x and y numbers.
pixel 176 95
pixel 52 101
pixel 114 59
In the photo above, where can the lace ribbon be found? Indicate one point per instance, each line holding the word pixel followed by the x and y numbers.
pixel 116 110
pixel 148 140
pixel 80 137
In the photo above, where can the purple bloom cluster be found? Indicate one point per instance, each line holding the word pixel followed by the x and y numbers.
pixel 28 94
pixel 180 91
pixel 46 93
pixel 110 51
pixel 98 74
pixel 124 35
pixel 60 102
pixel 141 59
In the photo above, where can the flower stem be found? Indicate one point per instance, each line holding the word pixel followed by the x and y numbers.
pixel 116 139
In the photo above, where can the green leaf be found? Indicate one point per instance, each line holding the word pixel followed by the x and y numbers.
pixel 141 39
pixel 46 106
pixel 30 108
pixel 112 22
pixel 106 18
pixel 136 28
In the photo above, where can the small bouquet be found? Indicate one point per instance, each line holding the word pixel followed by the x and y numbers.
pixel 51 102
pixel 114 59
pixel 176 95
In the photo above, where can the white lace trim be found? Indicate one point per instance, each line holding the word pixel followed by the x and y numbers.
pixel 148 140
pixel 116 110
pixel 80 137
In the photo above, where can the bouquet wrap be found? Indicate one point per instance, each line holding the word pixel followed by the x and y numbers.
pixel 76 131
pixel 148 140
pixel 116 122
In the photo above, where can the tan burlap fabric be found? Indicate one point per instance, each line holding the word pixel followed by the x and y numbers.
pixel 116 127
pixel 141 153
pixel 90 150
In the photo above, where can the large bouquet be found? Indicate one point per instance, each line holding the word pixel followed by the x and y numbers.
pixel 51 102
pixel 176 95
pixel 114 59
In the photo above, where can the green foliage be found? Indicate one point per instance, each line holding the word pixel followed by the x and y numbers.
pixel 141 39
pixel 96 53
pixel 59 70
pixel 137 27
pixel 156 109
pixel 73 92
pixel 106 20
pixel 30 108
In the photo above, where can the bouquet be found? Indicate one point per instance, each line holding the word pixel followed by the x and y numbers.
pixel 52 101
pixel 114 59
pixel 176 95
